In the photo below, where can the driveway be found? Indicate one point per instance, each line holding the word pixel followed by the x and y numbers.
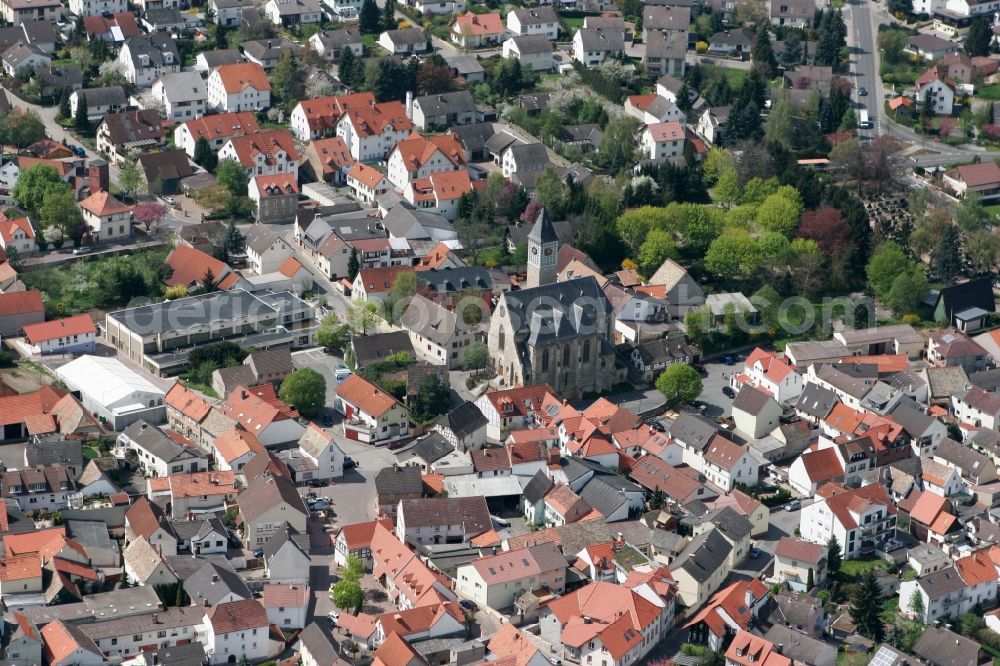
pixel 324 364
pixel 711 392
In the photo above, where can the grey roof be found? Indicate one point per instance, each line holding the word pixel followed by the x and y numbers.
pixel 702 557
pixel 371 348
pixel 407 36
pixel 154 47
pixel 184 87
pixel 534 15
pixel 906 381
pixel 728 521
pixel 969 462
pixel 219 57
pixel 231 305
pixel 157 443
pixel 539 485
pixel 112 516
pixel 666 44
pixel 751 400
pixel 401 221
pixel 464 64
pixel 559 311
pixel 90 533
pixel 942 647
pixel 212 582
pixel 335 39
pixel 399 480
pixel 445 103
pixel 259 238
pixel 464 420
pixel 531 44
pixel 286 534
pixel 692 430
pixel 583 534
pixel 529 156
pixel 941 583
pixel 500 141
pixel 671 83
pixel 163 16
pixel 55 451
pixel 185 566
pixel 268 49
pixel 929 43
pixel 801 648
pixel 431 448
pixel 889 656
pixel 542 231
pixel 988 380
pixel 816 401
pixel 190 654
pixel 607 493
pixel 320 644
pixel 737 37
pixel 943 381
pixel 473 137
pixel 296 7
pixel 677 19
pixel 270 361
pixel 19 53
pixel 449 280
pixel 914 421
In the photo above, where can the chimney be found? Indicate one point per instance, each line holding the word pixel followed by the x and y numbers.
pixel 779 648
pixel 99 176
pixel 494 550
pixel 409 104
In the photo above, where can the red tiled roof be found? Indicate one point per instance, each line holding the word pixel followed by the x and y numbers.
pixel 380 279
pixel 927 508
pixel 21 567
pixel 266 143
pixel 190 266
pixel 366 175
pixel 280 595
pixel 21 302
pixel 822 465
pixel 102 204
pixel 976 568
pixel 9 226
pixel 239 615
pixel 222 125
pixel 375 119
pixel 479 25
pixel 322 113
pixel 365 396
pixel 797 549
pixel 237 77
pixel 187 402
pixel 359 535
pixel 60 328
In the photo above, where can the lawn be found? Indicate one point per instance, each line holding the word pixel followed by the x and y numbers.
pixel 90 453
pixel 993 210
pixel 736 76
pixel 573 23
pixel 989 92
pixel 857 567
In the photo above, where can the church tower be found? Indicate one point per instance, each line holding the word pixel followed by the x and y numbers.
pixel 543 251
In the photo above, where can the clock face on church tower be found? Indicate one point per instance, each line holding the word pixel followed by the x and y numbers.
pixel 534 250
pixel 548 252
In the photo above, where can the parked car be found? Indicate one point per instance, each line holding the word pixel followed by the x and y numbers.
pixel 794 505
pixel 468 605
pixel 729 392
pixel 83 249
pixel 319 505
pixel 334 615
pixel 349 463
pixel 728 360
pixel 657 426
pixel 258 552
pixel 78 151
pixel 327 420
pixel 754 553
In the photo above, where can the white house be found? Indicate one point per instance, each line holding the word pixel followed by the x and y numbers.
pixel 236 630
pixel 266 250
pixel 70 334
pixel 17 234
pixel 418 157
pixel 239 87
pixel 726 463
pixel 100 101
pixel 437 334
pixel 320 447
pixel 370 414
pixel 285 561
pixel 541 20
pixel 764 370
pixel 183 95
pixel 858 525
pixel 97 7
pixel 440 192
pixel 662 141
pixel 107 217
pixel 286 605
pixel 267 153
pixel 234 449
pixel 145 58
pixel 158 454
pixel 592 45
pixel 534 52
pixel 367 183
pixel 372 131
pixel 937 90
pixel 408 40
pixel 796 561
pixel 286 13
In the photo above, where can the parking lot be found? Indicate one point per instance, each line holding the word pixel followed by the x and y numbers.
pixel 712 385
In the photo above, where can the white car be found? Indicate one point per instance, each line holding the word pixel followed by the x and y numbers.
pixel 334 615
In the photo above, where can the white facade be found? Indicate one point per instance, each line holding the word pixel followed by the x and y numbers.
pixel 654 148
pixel 287 617
pixel 182 96
pixel 369 147
pixel 400 174
pixel 248 98
pixel 942 95
pixel 280 162
pixel 817 523
pixel 532 26
pixel 535 62
pixel 97 7
pixel 252 643
pixel 271 258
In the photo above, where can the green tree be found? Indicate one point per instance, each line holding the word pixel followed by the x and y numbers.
pixel 370 19
pixel 353 569
pixel 679 383
pixel 333 333
pixel 791 52
pixel 306 389
pixel 347 594
pixel 231 176
pixel 833 556
pixel 695 324
pixel 778 126
pixel 658 246
pixel 900 6
pixel 916 605
pixel 867 606
pixel 734 255
pixel 65 109
pixel 982 249
pixel 362 316
pixel 617 148
pixel 180 599
pixel 971 216
pixel 475 357
pixel 285 79
pixel 892 44
pixel 124 583
pixel 130 179
pixel 779 213
pixel 204 156
pixel 716 161
pixel 948 255
pixel 34 184
pixel 349 70
pixel 907 291
pixel 59 210
pixel 634 224
pixel 727 189
pixel 208 282
pixel 21 129
pixel 81 122
pixel 810 583
pixel 353 265
pixel 234 242
pixel 886 264
pixel 432 400
pixel 979 37
pixel 403 287
pixel 389 15
pixel 763 53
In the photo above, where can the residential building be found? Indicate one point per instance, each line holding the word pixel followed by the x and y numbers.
pixel 286 13
pixel 370 414
pixel 331 43
pixel 662 141
pixel 100 101
pixel 860 519
pixel 259 410
pixel 418 157
pixel 533 51
pixel 238 87
pixel 541 20
pixel 158 454
pixel 183 95
pixel 217 129
pixel 792 13
pixel 666 50
pixel 936 90
pixel 592 45
pixel 121 135
pixel 267 153
pixel 265 505
pixel 473 31
pixel 798 562
pixel 405 41
pixel 17 12
pixel 236 630
pixel 372 131
pixel 148 57
pixel 70 334
pixel 107 218
pixel 497 581
pixel 983 179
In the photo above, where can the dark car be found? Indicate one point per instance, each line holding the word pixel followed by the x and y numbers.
pixel 862 92
pixel 78 151
pixel 316 483
pixel 327 420
pixel 728 360
pixel 657 426
pixel 754 553
pixel 729 392
pixel 258 552
pixel 349 462
pixel 468 605
pixel 700 369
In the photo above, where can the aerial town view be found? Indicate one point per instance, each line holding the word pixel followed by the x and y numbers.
pixel 500 332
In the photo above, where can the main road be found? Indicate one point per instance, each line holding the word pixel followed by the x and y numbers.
pixel 863 18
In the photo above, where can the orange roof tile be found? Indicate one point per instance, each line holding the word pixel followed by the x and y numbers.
pixel 479 25
pixel 322 113
pixel 290 267
pixel 236 443
pixel 21 567
pixel 9 226
pixel 976 568
pixel 365 396
pixel 103 204
pixel 190 266
pixel 822 465
pixel 928 507
pixel 60 328
pixel 366 175
pixel 222 125
pixel 257 408
pixel 376 119
pixel 267 143
pixel 187 402
pixel 237 77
